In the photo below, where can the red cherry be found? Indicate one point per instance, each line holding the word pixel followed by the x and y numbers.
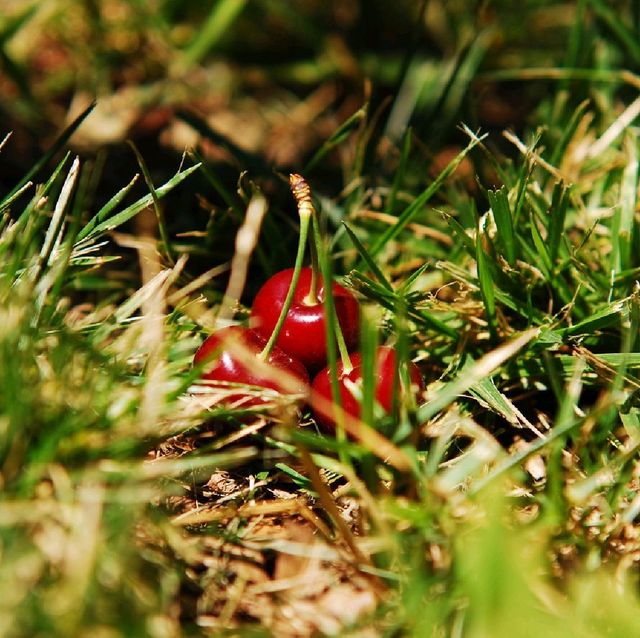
pixel 227 366
pixel 303 333
pixel 325 414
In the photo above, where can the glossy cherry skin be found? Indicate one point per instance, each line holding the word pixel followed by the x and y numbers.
pixel 384 387
pixel 224 365
pixel 303 334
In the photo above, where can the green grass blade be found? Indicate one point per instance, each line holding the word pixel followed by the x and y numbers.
pixel 368 345
pixel 12 25
pixel 461 233
pixel 218 184
pixel 485 281
pixel 138 206
pixel 567 132
pixel 565 422
pixel 407 284
pixel 299 479
pixel 106 210
pixel 368 260
pixel 608 316
pixel 43 191
pixel 463 73
pixel 544 260
pixel 499 202
pixel 557 218
pixel 388 299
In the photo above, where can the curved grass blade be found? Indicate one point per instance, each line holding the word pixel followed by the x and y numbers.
pixel 567 133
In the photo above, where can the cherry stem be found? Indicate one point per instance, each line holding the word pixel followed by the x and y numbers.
pixel 305 216
pixel 311 297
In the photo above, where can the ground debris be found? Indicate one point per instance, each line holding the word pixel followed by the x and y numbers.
pixel 260 551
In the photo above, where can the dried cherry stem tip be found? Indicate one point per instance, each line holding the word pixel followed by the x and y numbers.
pixel 302 194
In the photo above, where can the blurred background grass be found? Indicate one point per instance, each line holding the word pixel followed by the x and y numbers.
pixel 365 99
pixel 267 86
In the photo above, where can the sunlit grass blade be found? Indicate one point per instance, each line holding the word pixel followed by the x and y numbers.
pixel 54 231
pixel 603 318
pixel 566 421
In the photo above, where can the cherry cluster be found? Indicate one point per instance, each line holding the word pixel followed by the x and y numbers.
pixel 287 343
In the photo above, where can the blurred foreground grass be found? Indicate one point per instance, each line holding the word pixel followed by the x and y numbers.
pixel 132 504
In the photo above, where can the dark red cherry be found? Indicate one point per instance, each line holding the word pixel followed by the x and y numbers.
pixel 324 411
pixel 225 365
pixel 303 333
